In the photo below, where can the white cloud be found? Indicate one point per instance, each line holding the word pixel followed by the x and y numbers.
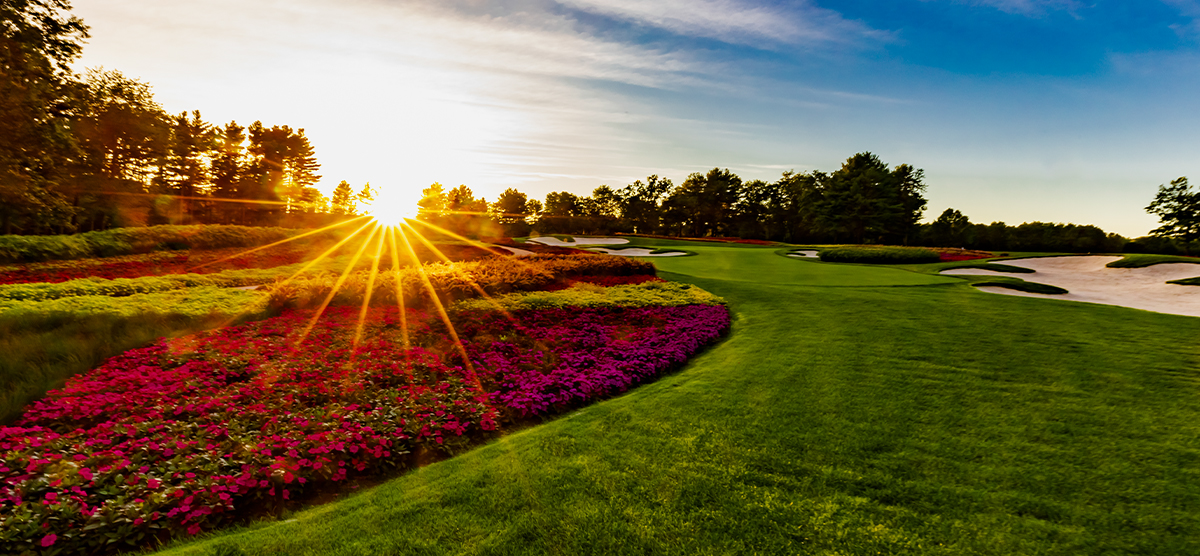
pixel 737 21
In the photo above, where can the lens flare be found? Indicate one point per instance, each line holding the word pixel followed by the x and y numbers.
pixel 392 205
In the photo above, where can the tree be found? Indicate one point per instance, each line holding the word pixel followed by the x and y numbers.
pixel 1177 207
pixel 342 201
pixel 186 170
pixel 560 213
pixel 301 167
pixel 123 132
pixel 704 203
pixel 39 40
pixel 510 211
pixel 640 203
pixel 951 229
pixel 227 167
pixel 432 205
pixel 801 196
pixel 863 201
pixel 465 215
pixel 365 198
pixel 908 204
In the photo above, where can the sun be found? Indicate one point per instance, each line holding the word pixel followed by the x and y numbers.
pixel 390 208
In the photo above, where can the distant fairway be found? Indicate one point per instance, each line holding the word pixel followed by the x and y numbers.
pixel 926 419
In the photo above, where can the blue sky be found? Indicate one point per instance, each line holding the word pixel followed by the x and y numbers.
pixel 1018 110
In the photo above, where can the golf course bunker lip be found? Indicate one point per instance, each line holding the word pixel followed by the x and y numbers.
pixel 636 252
pixel 1088 280
pixel 804 254
pixel 577 241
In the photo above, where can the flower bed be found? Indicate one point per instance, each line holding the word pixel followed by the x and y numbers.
pixel 188 435
pixel 947 254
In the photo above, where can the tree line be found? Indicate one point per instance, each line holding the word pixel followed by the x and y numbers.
pixel 864 201
pixel 95 151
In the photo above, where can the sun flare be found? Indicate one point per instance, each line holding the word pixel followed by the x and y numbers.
pixel 391 208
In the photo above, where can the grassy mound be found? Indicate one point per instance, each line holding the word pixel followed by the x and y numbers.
pixel 1142 260
pixel 1186 281
pixel 879 255
pixel 1031 287
pixel 994 267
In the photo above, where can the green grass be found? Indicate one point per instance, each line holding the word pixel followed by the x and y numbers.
pixel 1142 260
pixel 1186 281
pixel 873 419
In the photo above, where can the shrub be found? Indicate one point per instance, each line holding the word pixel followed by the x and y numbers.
pixel 125 241
pixel 457 281
pixel 879 255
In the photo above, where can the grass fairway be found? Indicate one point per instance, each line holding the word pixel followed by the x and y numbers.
pixel 928 419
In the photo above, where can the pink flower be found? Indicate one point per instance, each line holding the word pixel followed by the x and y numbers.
pixel 194 529
pixel 49 540
pixel 85 473
pixel 51 496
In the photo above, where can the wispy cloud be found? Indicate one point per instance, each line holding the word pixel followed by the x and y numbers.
pixel 1032 8
pixel 1187 8
pixel 737 21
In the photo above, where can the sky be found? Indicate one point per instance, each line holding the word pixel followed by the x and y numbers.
pixel 1017 110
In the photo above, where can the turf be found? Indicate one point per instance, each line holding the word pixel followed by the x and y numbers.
pixel 924 419
pixel 1141 260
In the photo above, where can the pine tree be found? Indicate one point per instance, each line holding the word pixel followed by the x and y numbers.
pixel 342 202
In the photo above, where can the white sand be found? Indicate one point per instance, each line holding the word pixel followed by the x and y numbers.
pixel 635 252
pixel 1090 281
pixel 804 254
pixel 515 251
pixel 577 241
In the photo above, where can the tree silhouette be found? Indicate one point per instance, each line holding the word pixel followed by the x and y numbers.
pixel 1177 207
pixel 342 201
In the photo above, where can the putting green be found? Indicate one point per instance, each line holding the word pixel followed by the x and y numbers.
pixel 762 266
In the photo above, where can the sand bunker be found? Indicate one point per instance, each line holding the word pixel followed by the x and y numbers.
pixel 515 251
pixel 577 241
pixel 805 254
pixel 636 252
pixel 1090 281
